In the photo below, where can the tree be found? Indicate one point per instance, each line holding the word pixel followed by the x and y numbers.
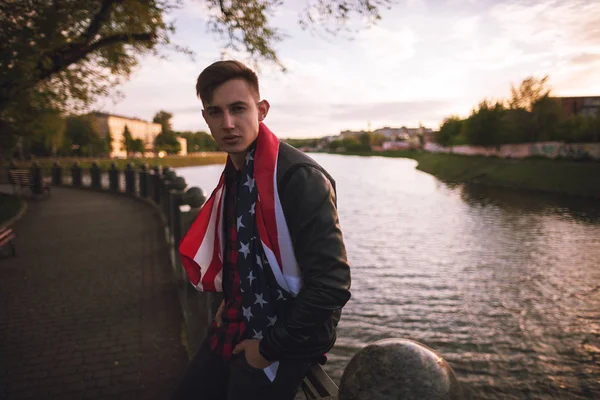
pixel 199 141
pixel 484 126
pixel 164 119
pixel 531 90
pixel 127 141
pixel 82 137
pixel 137 146
pixel 449 131
pixel 64 54
pixel 167 142
pixel 547 115
pixel 366 141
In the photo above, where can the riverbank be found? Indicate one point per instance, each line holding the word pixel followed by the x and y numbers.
pixel 105 163
pixel 580 178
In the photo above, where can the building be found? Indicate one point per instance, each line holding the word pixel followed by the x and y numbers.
pixel 115 125
pixel 586 106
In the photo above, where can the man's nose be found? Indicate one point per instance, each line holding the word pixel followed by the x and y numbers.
pixel 228 121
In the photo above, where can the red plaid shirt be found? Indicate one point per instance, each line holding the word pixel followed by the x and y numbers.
pixel 224 338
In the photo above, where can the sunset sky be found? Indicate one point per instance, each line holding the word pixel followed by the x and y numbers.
pixel 425 60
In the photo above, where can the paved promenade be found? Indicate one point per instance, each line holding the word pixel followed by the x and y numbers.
pixel 87 307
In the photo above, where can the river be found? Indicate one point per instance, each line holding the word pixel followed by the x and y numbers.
pixel 505 285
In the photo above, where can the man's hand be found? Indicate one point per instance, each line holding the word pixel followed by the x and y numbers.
pixel 250 349
pixel 218 318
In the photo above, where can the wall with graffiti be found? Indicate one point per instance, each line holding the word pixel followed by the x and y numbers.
pixel 574 151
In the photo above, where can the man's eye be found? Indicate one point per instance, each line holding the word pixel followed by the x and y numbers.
pixel 214 113
pixel 238 109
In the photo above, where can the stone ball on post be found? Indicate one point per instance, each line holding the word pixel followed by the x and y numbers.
pixel 394 369
pixel 178 183
pixel 170 175
pixel 194 197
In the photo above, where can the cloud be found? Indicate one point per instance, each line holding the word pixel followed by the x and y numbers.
pixel 586 58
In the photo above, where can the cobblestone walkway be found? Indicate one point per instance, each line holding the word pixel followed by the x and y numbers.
pixel 87 307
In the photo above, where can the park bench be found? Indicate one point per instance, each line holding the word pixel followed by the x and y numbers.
pixel 23 179
pixel 6 239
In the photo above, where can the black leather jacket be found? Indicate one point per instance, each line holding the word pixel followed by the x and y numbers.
pixel 308 199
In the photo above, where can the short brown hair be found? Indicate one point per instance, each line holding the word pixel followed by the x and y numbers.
pixel 220 72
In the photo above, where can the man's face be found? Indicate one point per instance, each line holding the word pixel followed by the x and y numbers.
pixel 233 116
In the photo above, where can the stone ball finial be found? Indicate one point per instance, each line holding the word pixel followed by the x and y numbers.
pixel 194 197
pixel 170 175
pixel 144 166
pixel 57 163
pixel 178 183
pixel 394 369
pixel 129 165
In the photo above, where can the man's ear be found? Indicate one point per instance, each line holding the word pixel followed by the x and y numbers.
pixel 263 109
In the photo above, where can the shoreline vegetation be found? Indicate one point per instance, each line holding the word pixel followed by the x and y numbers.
pixel 579 178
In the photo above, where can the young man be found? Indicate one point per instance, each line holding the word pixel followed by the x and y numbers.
pixel 269 239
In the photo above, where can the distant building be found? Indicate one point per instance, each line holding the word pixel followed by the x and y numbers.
pixel 139 129
pixel 389 132
pixel 586 106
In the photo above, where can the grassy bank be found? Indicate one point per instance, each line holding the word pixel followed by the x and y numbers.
pixel 171 161
pixel 580 178
pixel 9 207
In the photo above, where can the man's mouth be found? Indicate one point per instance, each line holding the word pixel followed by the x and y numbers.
pixel 230 138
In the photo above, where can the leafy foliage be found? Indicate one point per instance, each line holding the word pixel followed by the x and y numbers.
pixel 530 115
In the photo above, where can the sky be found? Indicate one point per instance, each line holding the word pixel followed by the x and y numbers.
pixel 425 60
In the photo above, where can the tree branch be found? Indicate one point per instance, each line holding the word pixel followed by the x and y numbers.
pixel 63 58
pixel 99 19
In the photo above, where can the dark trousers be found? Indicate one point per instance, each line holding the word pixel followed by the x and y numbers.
pixel 210 377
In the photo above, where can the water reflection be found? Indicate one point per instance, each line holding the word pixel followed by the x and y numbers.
pixel 572 207
pixel 504 284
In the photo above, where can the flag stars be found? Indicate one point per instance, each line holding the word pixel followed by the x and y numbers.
pixel 257 334
pixel 253 209
pixel 239 223
pixel 244 249
pixel 251 277
pixel 249 182
pixel 260 300
pixel 259 261
pixel 247 313
pixel 272 321
pixel 280 295
pixel 249 157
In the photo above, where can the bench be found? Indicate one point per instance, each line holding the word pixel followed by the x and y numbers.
pixel 6 238
pixel 22 178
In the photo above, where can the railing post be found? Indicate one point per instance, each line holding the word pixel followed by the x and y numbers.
pixel 113 177
pixel 129 179
pixel 95 173
pixel 156 184
pixel 76 174
pixel 176 188
pixel 143 180
pixel 56 174
pixel 199 308
pixel 36 176
pixel 168 179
